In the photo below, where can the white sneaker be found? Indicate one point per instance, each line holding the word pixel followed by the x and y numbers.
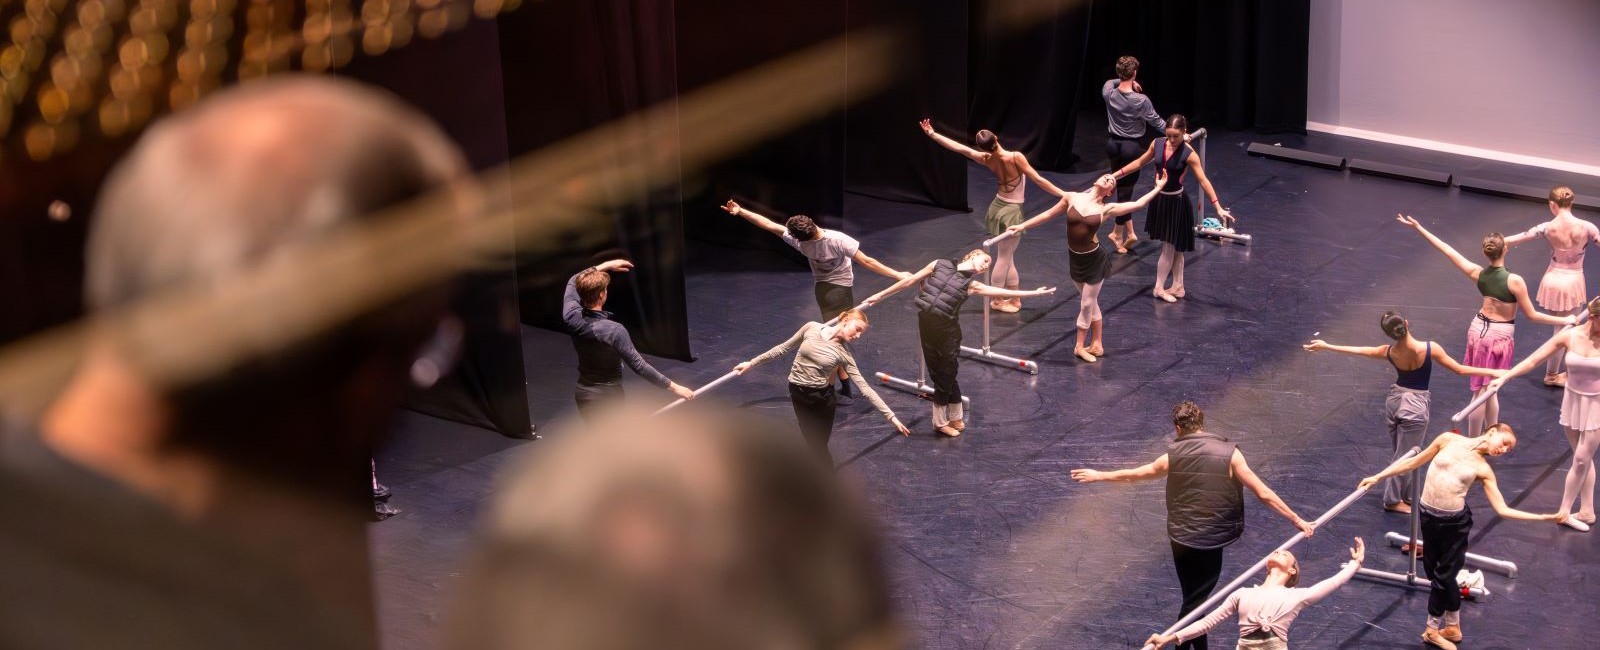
pixel 1573 523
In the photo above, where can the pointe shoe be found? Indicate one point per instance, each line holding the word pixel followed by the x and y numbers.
pixel 1575 524
pixel 1558 379
pixel 1084 354
pixel 1433 637
pixel 948 431
pixel 1451 633
pixel 1163 295
pixel 1097 350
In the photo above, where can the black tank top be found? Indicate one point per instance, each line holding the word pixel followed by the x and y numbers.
pixel 1175 166
pixel 1416 378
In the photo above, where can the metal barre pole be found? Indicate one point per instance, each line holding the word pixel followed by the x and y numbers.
pixel 1221 594
pixel 997 239
pixel 1506 568
pixel 697 392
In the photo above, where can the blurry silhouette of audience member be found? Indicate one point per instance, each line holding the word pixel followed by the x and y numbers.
pixel 704 529
pixel 226 512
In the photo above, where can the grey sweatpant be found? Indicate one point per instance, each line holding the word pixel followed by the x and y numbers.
pixel 1407 413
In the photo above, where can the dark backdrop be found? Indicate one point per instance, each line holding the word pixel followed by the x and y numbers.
pixel 1027 78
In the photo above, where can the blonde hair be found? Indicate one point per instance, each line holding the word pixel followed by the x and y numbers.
pixel 853 314
pixel 1562 197
pixel 973 253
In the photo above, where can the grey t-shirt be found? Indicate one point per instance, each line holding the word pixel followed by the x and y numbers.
pixel 1127 113
pixel 829 255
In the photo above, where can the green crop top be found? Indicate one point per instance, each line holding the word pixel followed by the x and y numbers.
pixel 1493 283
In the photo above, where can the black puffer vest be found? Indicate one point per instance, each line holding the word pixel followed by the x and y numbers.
pixel 945 290
pixel 1205 503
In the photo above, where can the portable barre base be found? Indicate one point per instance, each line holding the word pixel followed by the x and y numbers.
pixel 1504 567
pixel 1243 238
pixel 989 356
pixel 1477 594
pixel 920 388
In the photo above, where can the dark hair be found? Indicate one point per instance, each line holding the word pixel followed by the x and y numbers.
pixel 1561 196
pixel 801 227
pixel 1127 67
pixel 591 283
pixel 987 141
pixel 1393 325
pixel 1178 121
pixel 1188 417
pixel 1494 246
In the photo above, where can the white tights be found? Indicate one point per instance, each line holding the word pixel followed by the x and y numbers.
pixel 1088 304
pixel 1487 414
pixel 1580 478
pixel 1004 272
pixel 1170 263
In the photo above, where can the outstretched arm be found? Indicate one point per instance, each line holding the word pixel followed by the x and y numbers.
pixel 981 289
pixel 1557 342
pixel 777 350
pixel 1154 469
pixel 900 285
pixel 1039 179
pixel 1491 489
pixel 1407 464
pixel 1055 211
pixel 927 127
pixel 1527 235
pixel 878 267
pixel 1222 613
pixel 1370 351
pixel 1465 265
pixel 1519 289
pixel 1119 209
pixel 1246 476
pixel 1450 364
pixel 755 219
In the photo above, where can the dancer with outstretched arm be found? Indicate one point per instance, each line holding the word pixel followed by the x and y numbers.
pixel 1128 112
pixel 1562 290
pixel 603 344
pixel 1170 218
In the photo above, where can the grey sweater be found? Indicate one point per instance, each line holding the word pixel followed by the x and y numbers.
pixel 817 361
pixel 1127 113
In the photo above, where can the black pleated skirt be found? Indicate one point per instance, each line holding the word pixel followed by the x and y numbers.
pixel 1170 218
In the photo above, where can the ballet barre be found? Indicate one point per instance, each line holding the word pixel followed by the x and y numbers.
pixel 1222 594
pixel 1199 139
pixel 1412 546
pixel 1485 395
pixel 920 387
pixel 698 392
pixel 985 353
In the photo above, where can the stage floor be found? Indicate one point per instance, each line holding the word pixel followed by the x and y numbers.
pixel 988 541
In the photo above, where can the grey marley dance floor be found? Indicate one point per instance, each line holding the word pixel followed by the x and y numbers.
pixel 988 542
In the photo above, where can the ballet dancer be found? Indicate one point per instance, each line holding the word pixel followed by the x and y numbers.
pixel 1266 611
pixel 1489 335
pixel 819 353
pixel 1562 290
pixel 603 344
pixel 1205 503
pixel 830 254
pixel 1580 407
pixel 1086 212
pixel 1170 218
pixel 1009 168
pixel 945 287
pixel 1128 110
pixel 1454 462
pixel 1406 409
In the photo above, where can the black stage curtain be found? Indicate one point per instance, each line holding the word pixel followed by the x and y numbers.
pixel 456 80
pixel 571 65
pixel 886 155
pixel 1026 80
pixel 801 172
pixel 1240 64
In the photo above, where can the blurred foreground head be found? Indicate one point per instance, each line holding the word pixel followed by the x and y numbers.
pixel 703 529
pixel 227 199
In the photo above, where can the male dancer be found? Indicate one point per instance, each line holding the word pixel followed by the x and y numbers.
pixel 1086 211
pixel 830 253
pixel 1455 462
pixel 1128 110
pixel 1205 505
pixel 603 344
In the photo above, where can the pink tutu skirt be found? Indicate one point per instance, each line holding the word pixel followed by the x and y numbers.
pixel 1562 290
pixel 1489 345
pixel 1580 411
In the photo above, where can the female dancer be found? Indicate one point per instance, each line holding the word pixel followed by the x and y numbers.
pixel 1086 211
pixel 1407 406
pixel 822 352
pixel 1008 167
pixel 945 287
pixel 1562 289
pixel 1580 407
pixel 1489 335
pixel 1170 218
pixel 1266 611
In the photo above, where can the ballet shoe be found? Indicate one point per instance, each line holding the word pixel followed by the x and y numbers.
pixel 1164 295
pixel 1451 633
pixel 1401 507
pixel 1575 524
pixel 1178 292
pixel 959 425
pixel 1005 306
pixel 948 431
pixel 1585 518
pixel 1128 243
pixel 1084 354
pixel 1097 350
pixel 1559 379
pixel 1434 637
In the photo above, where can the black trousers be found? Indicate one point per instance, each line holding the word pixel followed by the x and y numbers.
pixel 1122 151
pixel 814 409
pixel 1198 571
pixel 1444 552
pixel 592 398
pixel 941 348
pixel 833 299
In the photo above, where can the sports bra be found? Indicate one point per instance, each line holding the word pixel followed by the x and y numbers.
pixel 1493 282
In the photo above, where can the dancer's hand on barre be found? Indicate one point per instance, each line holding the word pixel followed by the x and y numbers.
pixel 743 366
pixel 1367 482
pixel 1570 321
pixel 1498 382
pixel 927 126
pixel 680 390
pixel 1307 527
pixel 1358 553
pixel 614 266
pixel 1159 641
pixel 1013 231
pixel 899 426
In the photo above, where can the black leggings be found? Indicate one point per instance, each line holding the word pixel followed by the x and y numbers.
pixel 814 409
pixel 941 348
pixel 833 299
pixel 593 397
pixel 1444 552
pixel 1122 151
pixel 1198 571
